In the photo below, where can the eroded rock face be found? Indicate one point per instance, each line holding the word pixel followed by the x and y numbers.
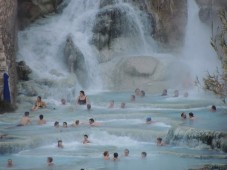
pixel 8 43
pixel 23 71
pixel 171 20
pixel 209 9
pixel 30 10
pixel 115 22
pixel 197 138
pixel 75 61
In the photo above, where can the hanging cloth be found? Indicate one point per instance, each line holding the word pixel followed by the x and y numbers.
pixel 6 92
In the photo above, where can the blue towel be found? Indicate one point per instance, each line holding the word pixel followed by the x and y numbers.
pixel 6 93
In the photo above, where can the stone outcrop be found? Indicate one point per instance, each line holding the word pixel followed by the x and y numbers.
pixel 75 61
pixel 171 20
pixel 30 10
pixel 8 39
pixel 197 138
pixel 23 71
pixel 211 167
pixel 147 72
pixel 209 10
pixel 114 21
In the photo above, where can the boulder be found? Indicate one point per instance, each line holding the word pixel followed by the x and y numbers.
pixel 75 61
pixel 119 21
pixel 23 71
pixel 30 10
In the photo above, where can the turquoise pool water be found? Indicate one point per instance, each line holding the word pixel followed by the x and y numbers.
pixel 29 146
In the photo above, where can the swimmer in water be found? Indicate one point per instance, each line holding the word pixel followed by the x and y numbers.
pixel 106 155
pixel 85 141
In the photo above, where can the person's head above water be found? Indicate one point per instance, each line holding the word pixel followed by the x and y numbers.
pixel 164 92
pixel 123 105
pixel 137 92
pixel 26 113
pixel 56 124
pixel 183 115
pixel 39 98
pixel 88 106
pixel 82 93
pixel 148 120
pixel 143 154
pixel 142 93
pixel 65 124
pixel 126 152
pixel 213 108
pixel 41 117
pixel 63 101
pixel 133 98
pixel 91 120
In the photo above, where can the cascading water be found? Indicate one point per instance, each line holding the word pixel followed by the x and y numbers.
pixel 198 52
pixel 43 46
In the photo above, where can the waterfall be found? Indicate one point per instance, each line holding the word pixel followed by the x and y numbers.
pixel 198 53
pixel 42 47
pixel 42 44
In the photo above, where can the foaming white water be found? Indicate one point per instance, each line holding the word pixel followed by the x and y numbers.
pixel 198 53
pixel 42 45
pixel 103 139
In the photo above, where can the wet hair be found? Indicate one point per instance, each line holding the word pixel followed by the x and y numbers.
pixel 91 120
pixel 88 106
pixel 50 159
pixel 59 141
pixel 77 122
pixel 26 113
pixel 159 139
pixel 39 97
pixel 142 93
pixel 64 123
pixel 123 105
pixel 213 107
pixel 148 119
pixel 86 136
pixel 144 154
pixel 56 123
pixel 191 114
pixel 183 115
pixel 105 153
pixel 133 97
pixel 115 155
pixel 82 92
pixel 164 92
pixel 41 117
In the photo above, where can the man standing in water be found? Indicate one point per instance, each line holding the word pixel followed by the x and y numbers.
pixel 41 121
pixel 25 120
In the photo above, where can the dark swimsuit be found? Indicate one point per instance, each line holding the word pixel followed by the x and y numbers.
pixel 82 102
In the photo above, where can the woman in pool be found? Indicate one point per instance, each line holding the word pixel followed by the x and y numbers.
pixel 82 98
